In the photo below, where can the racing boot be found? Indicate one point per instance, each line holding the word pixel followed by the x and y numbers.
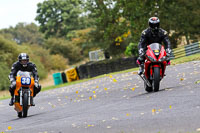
pixel 11 101
pixel 141 69
pixel 32 102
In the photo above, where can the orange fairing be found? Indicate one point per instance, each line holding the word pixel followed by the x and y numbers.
pixel 22 83
pixel 32 86
pixel 18 107
pixel 19 85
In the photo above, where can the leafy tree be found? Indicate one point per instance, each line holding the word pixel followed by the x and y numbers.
pixel 58 17
pixel 24 33
pixel 109 24
pixel 82 39
pixel 177 17
pixel 115 18
pixel 182 18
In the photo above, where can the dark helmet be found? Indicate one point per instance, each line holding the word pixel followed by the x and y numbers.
pixel 23 59
pixel 154 24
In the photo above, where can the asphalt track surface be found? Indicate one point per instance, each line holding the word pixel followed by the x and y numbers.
pixel 114 104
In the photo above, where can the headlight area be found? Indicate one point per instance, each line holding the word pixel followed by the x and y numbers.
pixel 162 59
pixel 151 59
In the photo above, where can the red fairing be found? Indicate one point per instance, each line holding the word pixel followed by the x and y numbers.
pixel 152 61
pixel 150 53
pixel 146 67
pixel 162 53
pixel 164 67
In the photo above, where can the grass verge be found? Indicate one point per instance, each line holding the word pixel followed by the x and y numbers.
pixel 186 59
pixel 194 57
pixel 83 80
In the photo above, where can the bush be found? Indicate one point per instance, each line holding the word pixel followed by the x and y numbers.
pixel 4 72
pixel 59 62
pixel 132 49
pixel 43 60
pixel 8 53
pixel 65 48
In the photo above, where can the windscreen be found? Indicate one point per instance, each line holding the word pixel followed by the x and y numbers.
pixel 155 46
pixel 23 74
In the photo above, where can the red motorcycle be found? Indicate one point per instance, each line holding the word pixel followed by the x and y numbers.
pixel 154 66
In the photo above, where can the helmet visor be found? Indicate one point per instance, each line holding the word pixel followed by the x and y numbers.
pixel 154 26
pixel 24 62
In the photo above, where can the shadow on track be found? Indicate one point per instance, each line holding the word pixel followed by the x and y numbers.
pixel 29 116
pixel 151 93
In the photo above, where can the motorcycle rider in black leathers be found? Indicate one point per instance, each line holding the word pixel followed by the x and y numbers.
pixel 23 64
pixel 153 34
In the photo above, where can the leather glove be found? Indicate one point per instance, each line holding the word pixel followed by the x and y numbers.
pixel 168 62
pixel 168 51
pixel 36 84
pixel 141 52
pixel 13 84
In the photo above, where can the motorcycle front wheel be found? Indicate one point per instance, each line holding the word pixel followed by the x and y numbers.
pixel 147 88
pixel 25 104
pixel 156 79
pixel 19 114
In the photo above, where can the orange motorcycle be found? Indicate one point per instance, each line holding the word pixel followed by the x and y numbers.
pixel 23 95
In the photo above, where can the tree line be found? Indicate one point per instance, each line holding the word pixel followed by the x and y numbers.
pixel 111 20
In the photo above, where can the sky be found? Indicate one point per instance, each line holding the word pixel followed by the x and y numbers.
pixel 15 11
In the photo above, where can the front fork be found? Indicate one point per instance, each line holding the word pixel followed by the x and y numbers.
pixel 21 92
pixel 145 80
pixel 144 76
pixel 20 97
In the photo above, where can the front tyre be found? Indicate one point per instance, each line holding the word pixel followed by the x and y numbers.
pixel 25 104
pixel 156 79
pixel 19 114
pixel 147 88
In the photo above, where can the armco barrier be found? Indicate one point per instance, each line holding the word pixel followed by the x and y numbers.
pixel 192 49
pixel 92 69
pixel 186 50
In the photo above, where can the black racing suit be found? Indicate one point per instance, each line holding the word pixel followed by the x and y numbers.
pixel 17 66
pixel 149 37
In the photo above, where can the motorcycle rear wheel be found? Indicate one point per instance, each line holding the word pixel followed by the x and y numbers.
pixel 156 79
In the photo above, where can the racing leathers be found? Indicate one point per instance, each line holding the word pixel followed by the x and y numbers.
pixel 149 37
pixel 17 66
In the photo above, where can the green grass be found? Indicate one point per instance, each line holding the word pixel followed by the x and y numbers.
pixel 186 59
pixel 173 62
pixel 83 80
pixel 4 97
